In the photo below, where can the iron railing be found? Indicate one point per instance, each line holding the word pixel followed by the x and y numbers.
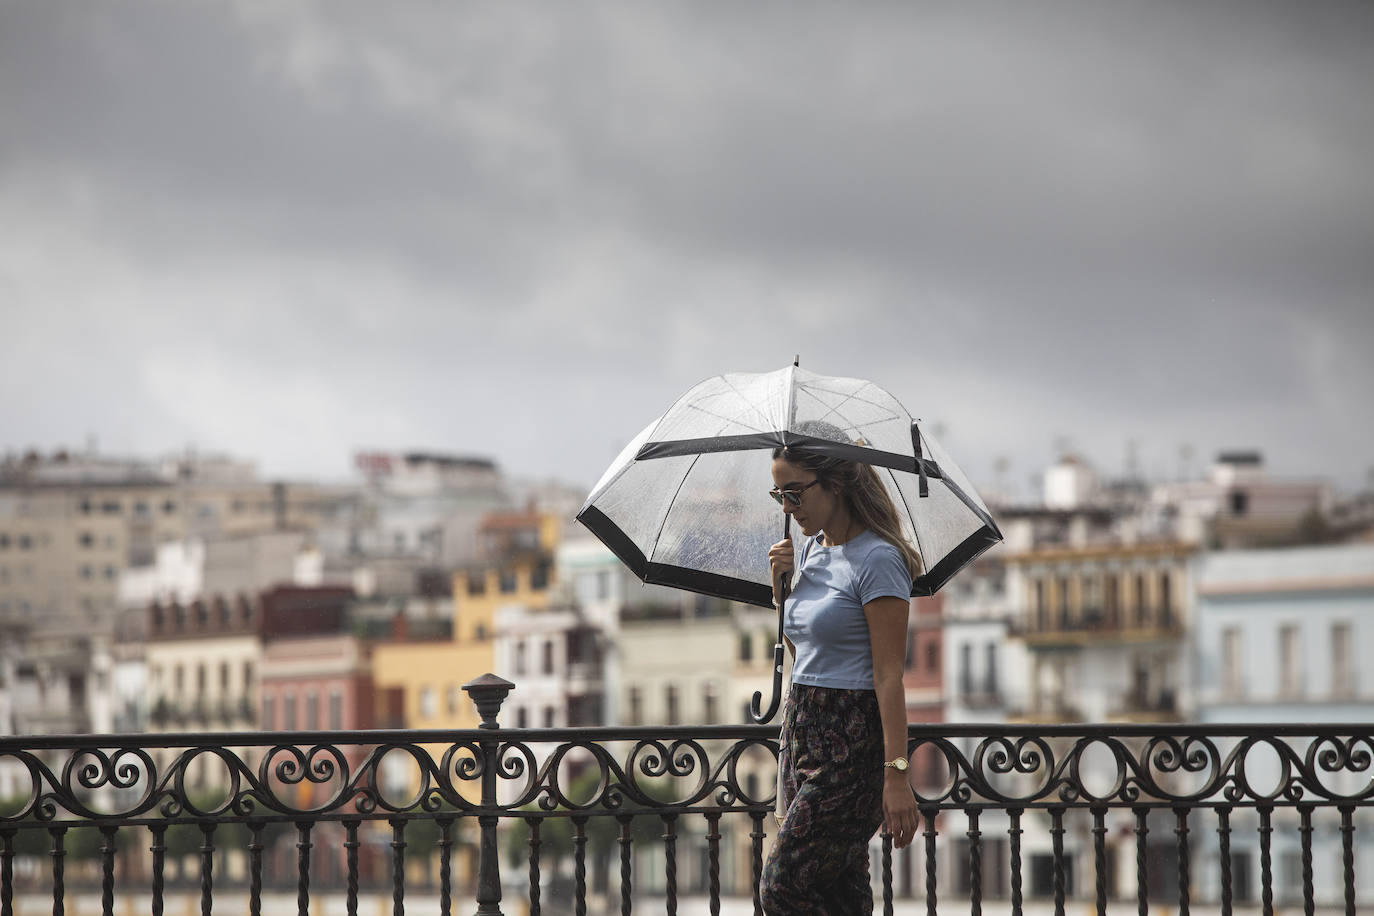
pixel 1230 818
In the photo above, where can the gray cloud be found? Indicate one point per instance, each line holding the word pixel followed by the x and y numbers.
pixel 292 230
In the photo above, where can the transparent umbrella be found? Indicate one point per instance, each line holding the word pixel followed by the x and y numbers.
pixel 686 502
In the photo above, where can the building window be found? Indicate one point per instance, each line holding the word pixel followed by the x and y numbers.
pixel 477 584
pixel 4 541
pixel 269 712
pixel 746 647
pixel 1111 600
pixel 710 702
pixel 25 542
pixel 603 585
pixel 86 539
pixel 224 677
pixel 312 711
pixel 990 671
pixel 521 718
pixel 547 666
pixel 1140 612
pixel 1232 673
pixel 428 709
pixel 670 698
pixel 335 710
pixel 247 677
pixel 453 699
pixel 932 656
pixel 548 716
pixel 1092 595
pixel 1290 662
pixel 1166 602
pixel 520 658
pixel 1240 502
pixel 1062 602
pixel 1342 661
pixel 539 578
pixel 507 580
pixel 966 669
pixel 636 710
pixel 288 712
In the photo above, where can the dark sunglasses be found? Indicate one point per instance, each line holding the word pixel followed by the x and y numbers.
pixel 792 496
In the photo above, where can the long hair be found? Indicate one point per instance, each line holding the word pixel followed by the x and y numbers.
pixel 864 496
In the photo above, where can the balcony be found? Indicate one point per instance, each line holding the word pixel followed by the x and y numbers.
pixel 1136 706
pixel 1095 627
pixel 980 695
pixel 639 819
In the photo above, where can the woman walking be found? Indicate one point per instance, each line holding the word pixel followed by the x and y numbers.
pixel 843 759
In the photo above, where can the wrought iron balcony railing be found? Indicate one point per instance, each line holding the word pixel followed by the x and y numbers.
pixel 650 818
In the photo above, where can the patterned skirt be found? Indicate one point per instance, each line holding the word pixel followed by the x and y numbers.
pixel 831 784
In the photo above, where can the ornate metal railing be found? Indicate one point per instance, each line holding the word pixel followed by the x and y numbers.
pixel 1230 817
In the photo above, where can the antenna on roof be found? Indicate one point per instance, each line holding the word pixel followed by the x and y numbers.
pixel 796 360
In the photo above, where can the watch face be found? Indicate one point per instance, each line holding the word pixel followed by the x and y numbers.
pixel 900 764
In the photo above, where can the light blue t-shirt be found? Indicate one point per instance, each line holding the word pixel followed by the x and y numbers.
pixel 825 612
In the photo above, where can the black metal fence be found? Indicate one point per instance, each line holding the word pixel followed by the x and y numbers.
pixel 1227 818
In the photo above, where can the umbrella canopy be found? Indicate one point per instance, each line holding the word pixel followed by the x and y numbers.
pixel 686 503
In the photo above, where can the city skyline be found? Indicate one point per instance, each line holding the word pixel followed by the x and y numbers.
pixel 293 233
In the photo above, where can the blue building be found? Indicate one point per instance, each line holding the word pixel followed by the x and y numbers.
pixel 1284 636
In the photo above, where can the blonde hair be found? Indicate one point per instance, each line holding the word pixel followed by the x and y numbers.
pixel 864 496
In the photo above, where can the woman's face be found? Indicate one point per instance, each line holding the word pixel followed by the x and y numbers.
pixel 818 502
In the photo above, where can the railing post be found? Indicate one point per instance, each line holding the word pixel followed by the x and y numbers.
pixel 488 692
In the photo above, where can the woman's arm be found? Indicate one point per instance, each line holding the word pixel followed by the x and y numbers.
pixel 887 639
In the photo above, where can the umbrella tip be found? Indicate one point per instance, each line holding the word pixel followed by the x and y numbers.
pixel 796 360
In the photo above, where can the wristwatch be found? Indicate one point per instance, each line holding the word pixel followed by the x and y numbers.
pixel 899 764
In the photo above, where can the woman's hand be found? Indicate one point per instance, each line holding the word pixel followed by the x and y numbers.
pixel 899 809
pixel 780 562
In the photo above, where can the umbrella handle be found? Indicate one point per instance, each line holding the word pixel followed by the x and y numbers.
pixel 756 704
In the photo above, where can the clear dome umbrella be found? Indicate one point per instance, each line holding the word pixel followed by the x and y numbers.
pixel 686 502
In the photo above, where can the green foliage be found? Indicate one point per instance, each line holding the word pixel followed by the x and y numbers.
pixel 79 843
pixel 186 839
pixel 422 834
pixel 602 828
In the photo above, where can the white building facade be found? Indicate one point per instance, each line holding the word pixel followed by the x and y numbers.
pixel 1282 637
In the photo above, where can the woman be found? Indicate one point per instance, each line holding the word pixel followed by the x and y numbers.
pixel 843 754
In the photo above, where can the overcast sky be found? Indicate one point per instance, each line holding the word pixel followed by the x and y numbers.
pixel 291 231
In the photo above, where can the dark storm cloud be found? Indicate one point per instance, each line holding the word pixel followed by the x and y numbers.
pixel 1104 221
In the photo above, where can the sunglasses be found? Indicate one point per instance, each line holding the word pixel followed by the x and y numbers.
pixel 792 496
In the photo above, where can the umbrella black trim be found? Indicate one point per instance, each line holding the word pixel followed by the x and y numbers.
pixel 783 439
pixel 693 580
pixel 618 541
pixel 977 510
pixel 955 560
pixel 718 586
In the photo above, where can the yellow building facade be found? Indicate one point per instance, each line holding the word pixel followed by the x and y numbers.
pixel 431 674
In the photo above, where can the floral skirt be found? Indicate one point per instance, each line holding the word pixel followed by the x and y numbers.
pixel 831 785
